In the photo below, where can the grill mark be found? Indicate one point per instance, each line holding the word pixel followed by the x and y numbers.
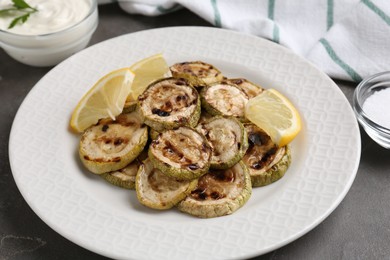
pixel 225 175
pixel 258 138
pixel 167 106
pixel 238 81
pixel 216 195
pixel 115 140
pixel 263 159
pixel 160 112
pixel 118 141
pixel 115 159
pixel 193 166
pixel 207 189
pixel 181 82
pixel 174 154
pixel 181 97
pixel 171 150
pixel 105 128
pixel 199 194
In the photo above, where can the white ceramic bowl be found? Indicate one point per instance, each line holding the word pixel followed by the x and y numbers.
pixel 52 48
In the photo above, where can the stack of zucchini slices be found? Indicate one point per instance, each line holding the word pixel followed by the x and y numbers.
pixel 186 143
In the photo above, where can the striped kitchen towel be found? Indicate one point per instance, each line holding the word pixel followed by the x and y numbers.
pixel 347 39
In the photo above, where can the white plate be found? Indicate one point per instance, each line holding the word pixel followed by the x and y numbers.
pixel 110 221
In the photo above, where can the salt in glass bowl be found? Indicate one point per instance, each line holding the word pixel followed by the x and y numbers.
pixel 51 48
pixel 374 120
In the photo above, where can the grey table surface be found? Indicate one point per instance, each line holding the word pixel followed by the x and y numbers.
pixel 359 228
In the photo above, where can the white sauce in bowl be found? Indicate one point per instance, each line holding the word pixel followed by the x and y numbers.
pixel 52 16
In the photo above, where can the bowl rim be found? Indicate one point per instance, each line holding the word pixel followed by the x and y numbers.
pixel 364 118
pixel 92 10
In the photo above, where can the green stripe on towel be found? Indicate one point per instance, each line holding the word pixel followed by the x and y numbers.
pixel 377 10
pixel 217 15
pixel 329 19
pixel 332 54
pixel 271 11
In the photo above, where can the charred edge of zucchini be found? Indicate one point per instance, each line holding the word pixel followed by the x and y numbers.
pixel 100 167
pixel 242 143
pixel 221 207
pixel 142 187
pixel 274 173
pixel 183 70
pixel 214 111
pixel 191 171
pixel 160 125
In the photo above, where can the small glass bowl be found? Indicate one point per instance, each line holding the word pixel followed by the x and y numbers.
pixel 52 48
pixel 379 133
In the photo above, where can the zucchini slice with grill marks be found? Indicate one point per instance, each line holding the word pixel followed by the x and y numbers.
pixel 157 190
pixel 198 73
pixel 111 145
pixel 228 139
pixel 219 193
pixel 183 153
pixel 169 103
pixel 224 99
pixel 249 88
pixel 125 177
pixel 266 161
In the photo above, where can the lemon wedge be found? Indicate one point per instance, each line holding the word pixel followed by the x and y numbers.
pixel 105 99
pixel 276 115
pixel 146 71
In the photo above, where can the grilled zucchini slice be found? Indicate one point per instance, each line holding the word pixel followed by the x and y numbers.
pixel 125 177
pixel 157 190
pixel 266 162
pixel 111 145
pixel 169 103
pixel 198 73
pixel 228 139
pixel 249 88
pixel 224 99
pixel 183 153
pixel 219 193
